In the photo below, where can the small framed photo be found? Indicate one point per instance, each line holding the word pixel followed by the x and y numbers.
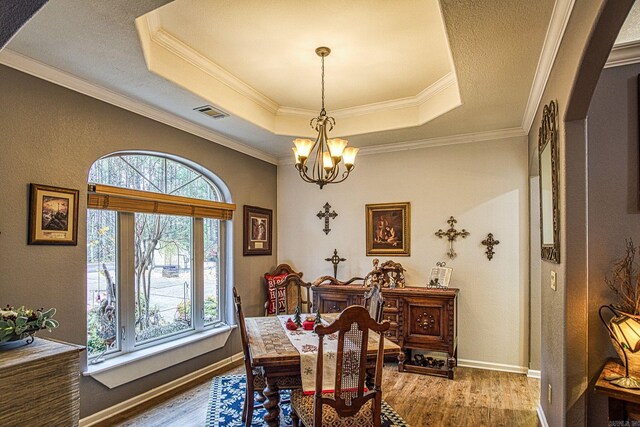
pixel 388 229
pixel 53 215
pixel 440 276
pixel 258 231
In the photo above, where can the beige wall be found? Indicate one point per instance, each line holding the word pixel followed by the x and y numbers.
pixel 613 203
pixel 51 135
pixel 484 185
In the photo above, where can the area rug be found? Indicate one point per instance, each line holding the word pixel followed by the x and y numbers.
pixel 227 395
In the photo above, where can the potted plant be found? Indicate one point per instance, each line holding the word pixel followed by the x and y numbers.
pixel 23 323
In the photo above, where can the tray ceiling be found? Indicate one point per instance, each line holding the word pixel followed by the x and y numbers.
pixel 389 63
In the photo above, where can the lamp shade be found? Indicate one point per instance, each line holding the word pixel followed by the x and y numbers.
pixel 627 332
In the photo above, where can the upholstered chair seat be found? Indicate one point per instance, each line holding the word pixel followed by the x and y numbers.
pixel 330 418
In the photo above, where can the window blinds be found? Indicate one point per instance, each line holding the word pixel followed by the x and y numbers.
pixel 111 198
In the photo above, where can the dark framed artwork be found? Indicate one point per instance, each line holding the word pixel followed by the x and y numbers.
pixel 388 229
pixel 53 215
pixel 258 231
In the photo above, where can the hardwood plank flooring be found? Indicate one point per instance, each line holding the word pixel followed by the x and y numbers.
pixel 475 398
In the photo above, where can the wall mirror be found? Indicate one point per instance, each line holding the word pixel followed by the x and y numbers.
pixel 549 206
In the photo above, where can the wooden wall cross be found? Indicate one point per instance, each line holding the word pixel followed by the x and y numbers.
pixel 452 234
pixel 490 242
pixel 335 260
pixel 326 215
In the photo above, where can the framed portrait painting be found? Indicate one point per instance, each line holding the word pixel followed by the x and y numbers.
pixel 388 229
pixel 53 215
pixel 258 231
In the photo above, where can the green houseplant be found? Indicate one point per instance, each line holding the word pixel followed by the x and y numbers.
pixel 23 323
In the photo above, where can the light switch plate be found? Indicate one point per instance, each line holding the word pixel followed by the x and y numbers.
pixel 554 280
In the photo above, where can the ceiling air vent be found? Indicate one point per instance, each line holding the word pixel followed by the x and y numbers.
pixel 212 112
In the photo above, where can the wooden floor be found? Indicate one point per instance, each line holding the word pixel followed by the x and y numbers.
pixel 475 398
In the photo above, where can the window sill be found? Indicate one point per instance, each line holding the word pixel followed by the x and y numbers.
pixel 120 370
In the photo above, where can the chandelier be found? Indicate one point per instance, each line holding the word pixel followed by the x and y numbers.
pixel 325 154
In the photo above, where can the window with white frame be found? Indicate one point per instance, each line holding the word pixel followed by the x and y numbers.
pixel 155 253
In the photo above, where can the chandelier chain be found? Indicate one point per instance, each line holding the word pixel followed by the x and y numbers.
pixel 323 111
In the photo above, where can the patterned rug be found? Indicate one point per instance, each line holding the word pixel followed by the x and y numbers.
pixel 227 395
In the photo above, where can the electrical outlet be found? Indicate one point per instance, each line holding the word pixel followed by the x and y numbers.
pixel 549 394
pixel 554 280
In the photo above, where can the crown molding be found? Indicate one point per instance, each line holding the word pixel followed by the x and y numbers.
pixel 443 83
pixel 557 26
pixel 624 54
pixel 432 142
pixel 45 72
pixel 185 52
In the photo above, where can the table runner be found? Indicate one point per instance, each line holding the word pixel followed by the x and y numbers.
pixel 306 342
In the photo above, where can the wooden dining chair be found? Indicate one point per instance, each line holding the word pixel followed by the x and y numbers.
pixel 285 291
pixel 349 404
pixel 255 379
pixel 374 301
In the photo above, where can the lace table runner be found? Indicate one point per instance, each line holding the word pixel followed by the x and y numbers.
pixel 306 342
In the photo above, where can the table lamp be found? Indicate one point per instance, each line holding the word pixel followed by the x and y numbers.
pixel 624 330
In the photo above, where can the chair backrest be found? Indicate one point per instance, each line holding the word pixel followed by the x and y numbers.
pixel 288 298
pixel 374 302
pixel 243 333
pixel 296 294
pixel 353 326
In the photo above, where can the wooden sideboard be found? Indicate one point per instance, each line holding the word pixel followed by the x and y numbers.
pixel 422 319
pixel 40 384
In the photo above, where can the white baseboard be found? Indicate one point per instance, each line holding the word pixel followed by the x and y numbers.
pixel 542 417
pixel 492 366
pixel 165 388
pixel 532 373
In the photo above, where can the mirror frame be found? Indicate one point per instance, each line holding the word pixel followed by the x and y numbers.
pixel 548 134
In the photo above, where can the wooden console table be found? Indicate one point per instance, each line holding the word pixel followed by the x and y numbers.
pixel 40 384
pixel 421 319
pixel 624 403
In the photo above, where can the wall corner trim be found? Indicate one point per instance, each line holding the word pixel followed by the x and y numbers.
pixel 624 54
pixel 555 32
pixel 121 407
pixel 541 416
pixel 479 364
pixel 53 75
pixel 532 373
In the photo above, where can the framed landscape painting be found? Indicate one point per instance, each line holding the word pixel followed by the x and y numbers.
pixel 53 215
pixel 388 229
pixel 258 231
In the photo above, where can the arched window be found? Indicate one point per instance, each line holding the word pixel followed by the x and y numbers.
pixel 155 253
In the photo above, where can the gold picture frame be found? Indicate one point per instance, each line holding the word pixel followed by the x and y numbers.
pixel 388 229
pixel 53 215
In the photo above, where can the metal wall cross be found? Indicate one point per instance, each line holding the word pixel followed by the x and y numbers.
pixel 452 234
pixel 326 215
pixel 335 260
pixel 490 242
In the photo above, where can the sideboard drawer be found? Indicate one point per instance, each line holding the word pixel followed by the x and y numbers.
pixel 390 305
pixel 330 303
pixel 391 317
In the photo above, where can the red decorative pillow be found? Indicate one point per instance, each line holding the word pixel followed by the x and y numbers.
pixel 272 281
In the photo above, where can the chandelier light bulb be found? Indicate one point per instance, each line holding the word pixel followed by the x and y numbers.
pixel 349 156
pixel 336 147
pixel 303 148
pixel 327 162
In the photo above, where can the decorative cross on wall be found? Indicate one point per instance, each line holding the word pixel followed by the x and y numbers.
pixel 490 242
pixel 326 215
pixel 335 260
pixel 452 234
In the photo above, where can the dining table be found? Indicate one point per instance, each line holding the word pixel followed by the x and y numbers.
pixel 272 352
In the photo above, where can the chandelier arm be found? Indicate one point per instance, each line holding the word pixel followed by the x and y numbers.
pixel 345 175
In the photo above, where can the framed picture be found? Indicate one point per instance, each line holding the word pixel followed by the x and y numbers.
pixel 440 276
pixel 388 229
pixel 258 231
pixel 53 215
